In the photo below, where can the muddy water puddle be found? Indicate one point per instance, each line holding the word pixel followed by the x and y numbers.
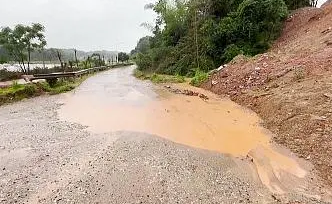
pixel 116 101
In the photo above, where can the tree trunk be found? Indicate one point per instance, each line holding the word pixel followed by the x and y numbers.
pixel 25 70
pixel 76 58
pixel 21 68
pixel 59 57
pixel 29 58
pixel 43 60
pixel 17 59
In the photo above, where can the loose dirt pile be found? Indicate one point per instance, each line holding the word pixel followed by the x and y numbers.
pixel 290 87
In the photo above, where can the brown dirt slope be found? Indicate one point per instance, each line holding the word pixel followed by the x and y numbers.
pixel 290 87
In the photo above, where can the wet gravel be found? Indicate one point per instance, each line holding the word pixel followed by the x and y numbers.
pixel 45 160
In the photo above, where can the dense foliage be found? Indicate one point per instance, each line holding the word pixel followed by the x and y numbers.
pixel 143 46
pixel 4 57
pixel 200 35
pixel 123 57
pixel 21 41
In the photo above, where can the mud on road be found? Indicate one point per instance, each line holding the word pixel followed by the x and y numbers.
pixel 47 160
pixel 44 160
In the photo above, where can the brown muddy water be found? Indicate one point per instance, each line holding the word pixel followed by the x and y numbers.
pixel 116 101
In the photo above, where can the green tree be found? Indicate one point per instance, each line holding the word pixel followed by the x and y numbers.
pixel 96 59
pixel 198 35
pixel 4 58
pixel 142 46
pixel 21 41
pixel 122 57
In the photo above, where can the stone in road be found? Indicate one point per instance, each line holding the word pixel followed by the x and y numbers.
pixel 46 160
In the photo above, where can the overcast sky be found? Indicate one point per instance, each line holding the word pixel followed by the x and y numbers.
pixel 83 24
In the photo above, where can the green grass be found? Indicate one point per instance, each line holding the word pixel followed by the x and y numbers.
pixel 62 85
pixel 199 78
pixel 139 74
pixel 11 89
pixel 159 78
pixel 122 64
pixel 17 92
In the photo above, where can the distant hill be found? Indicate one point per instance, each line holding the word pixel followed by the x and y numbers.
pixel 49 55
pixel 68 54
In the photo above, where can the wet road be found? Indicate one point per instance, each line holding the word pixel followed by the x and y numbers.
pixel 116 101
pixel 116 139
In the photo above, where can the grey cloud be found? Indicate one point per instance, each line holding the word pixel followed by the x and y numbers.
pixel 82 24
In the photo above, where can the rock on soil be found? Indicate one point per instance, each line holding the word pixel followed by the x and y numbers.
pixel 290 86
pixel 187 92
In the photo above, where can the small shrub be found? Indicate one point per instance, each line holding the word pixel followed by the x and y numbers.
pixel 62 89
pixel 45 86
pixel 158 78
pixel 143 61
pixel 30 90
pixel 138 74
pixel 16 85
pixel 17 92
pixel 180 79
pixel 199 78
pixel 52 82
pixel 155 78
pixel 231 51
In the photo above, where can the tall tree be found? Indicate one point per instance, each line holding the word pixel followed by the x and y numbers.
pixel 21 41
pixel 34 39
pixel 122 57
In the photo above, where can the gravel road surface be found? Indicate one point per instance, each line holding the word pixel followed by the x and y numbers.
pixel 46 160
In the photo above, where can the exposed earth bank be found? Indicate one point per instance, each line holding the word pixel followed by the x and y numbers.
pixel 290 86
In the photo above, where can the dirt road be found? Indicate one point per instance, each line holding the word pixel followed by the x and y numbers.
pixel 113 141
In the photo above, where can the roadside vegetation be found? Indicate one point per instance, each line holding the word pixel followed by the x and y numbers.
pixel 199 78
pixel 159 78
pixel 192 37
pixel 17 92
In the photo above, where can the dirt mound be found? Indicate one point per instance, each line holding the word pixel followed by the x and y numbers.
pixel 290 87
pixel 296 25
pixel 327 3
